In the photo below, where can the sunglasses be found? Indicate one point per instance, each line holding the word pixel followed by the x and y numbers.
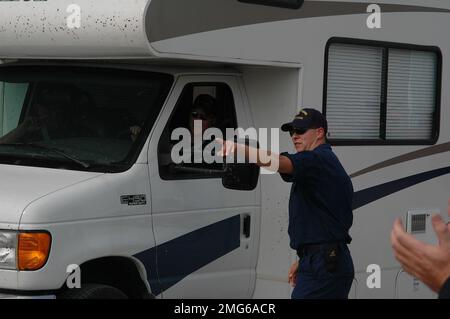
pixel 198 115
pixel 298 131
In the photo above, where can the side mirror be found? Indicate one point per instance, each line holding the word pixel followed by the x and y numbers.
pixel 237 176
pixel 241 176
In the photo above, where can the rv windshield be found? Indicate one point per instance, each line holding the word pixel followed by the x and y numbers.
pixel 77 118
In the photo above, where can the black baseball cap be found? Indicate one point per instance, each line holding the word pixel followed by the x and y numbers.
pixel 305 120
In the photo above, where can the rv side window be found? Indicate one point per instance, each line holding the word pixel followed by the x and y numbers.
pixel 184 145
pixel 381 93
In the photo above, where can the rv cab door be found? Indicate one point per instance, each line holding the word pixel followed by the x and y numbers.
pixel 206 234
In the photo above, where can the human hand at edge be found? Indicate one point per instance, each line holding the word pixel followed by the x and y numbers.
pixel 430 264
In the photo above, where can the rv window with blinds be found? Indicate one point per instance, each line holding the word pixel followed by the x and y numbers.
pixel 379 93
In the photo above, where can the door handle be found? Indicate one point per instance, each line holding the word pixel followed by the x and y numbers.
pixel 246 228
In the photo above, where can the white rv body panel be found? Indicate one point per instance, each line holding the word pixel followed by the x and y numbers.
pixel 180 209
pixel 75 213
pixel 21 186
pixel 108 28
pixel 76 237
pixel 268 111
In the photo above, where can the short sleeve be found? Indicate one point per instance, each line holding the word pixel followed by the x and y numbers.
pixel 287 177
pixel 302 162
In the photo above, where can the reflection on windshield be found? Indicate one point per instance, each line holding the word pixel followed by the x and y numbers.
pixel 97 122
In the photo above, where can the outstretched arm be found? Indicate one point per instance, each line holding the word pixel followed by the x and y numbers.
pixel 262 158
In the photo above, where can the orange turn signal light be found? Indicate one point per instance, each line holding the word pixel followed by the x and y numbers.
pixel 33 250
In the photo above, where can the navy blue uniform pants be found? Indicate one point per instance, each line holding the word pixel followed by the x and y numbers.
pixel 314 281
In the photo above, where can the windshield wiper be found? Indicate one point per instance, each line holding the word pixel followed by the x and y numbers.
pixel 51 149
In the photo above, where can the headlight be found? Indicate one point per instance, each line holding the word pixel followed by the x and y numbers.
pixel 8 250
pixel 24 250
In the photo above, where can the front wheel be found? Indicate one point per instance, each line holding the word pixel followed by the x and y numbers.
pixel 93 291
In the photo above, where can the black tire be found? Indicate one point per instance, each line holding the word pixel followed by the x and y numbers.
pixel 93 291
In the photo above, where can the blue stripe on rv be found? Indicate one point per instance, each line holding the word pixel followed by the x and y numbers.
pixel 369 195
pixel 186 254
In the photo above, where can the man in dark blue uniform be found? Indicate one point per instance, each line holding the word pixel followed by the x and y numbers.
pixel 320 207
pixel 320 211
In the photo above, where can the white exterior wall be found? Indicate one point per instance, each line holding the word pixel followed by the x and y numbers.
pixel 273 96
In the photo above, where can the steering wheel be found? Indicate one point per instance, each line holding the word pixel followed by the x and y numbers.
pixel 38 127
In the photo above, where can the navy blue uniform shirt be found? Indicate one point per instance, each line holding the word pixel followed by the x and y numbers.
pixel 320 204
pixel 444 293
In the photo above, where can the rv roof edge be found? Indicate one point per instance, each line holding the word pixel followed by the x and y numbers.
pixel 165 60
pixel 46 30
pixel 57 29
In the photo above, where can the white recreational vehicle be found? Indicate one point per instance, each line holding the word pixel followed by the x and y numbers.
pixel 84 191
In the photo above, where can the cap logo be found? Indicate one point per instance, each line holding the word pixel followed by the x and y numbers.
pixel 302 112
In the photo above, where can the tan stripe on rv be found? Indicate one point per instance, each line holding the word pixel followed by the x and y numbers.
pixel 425 152
pixel 167 19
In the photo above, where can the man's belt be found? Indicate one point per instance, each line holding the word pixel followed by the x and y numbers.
pixel 314 248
